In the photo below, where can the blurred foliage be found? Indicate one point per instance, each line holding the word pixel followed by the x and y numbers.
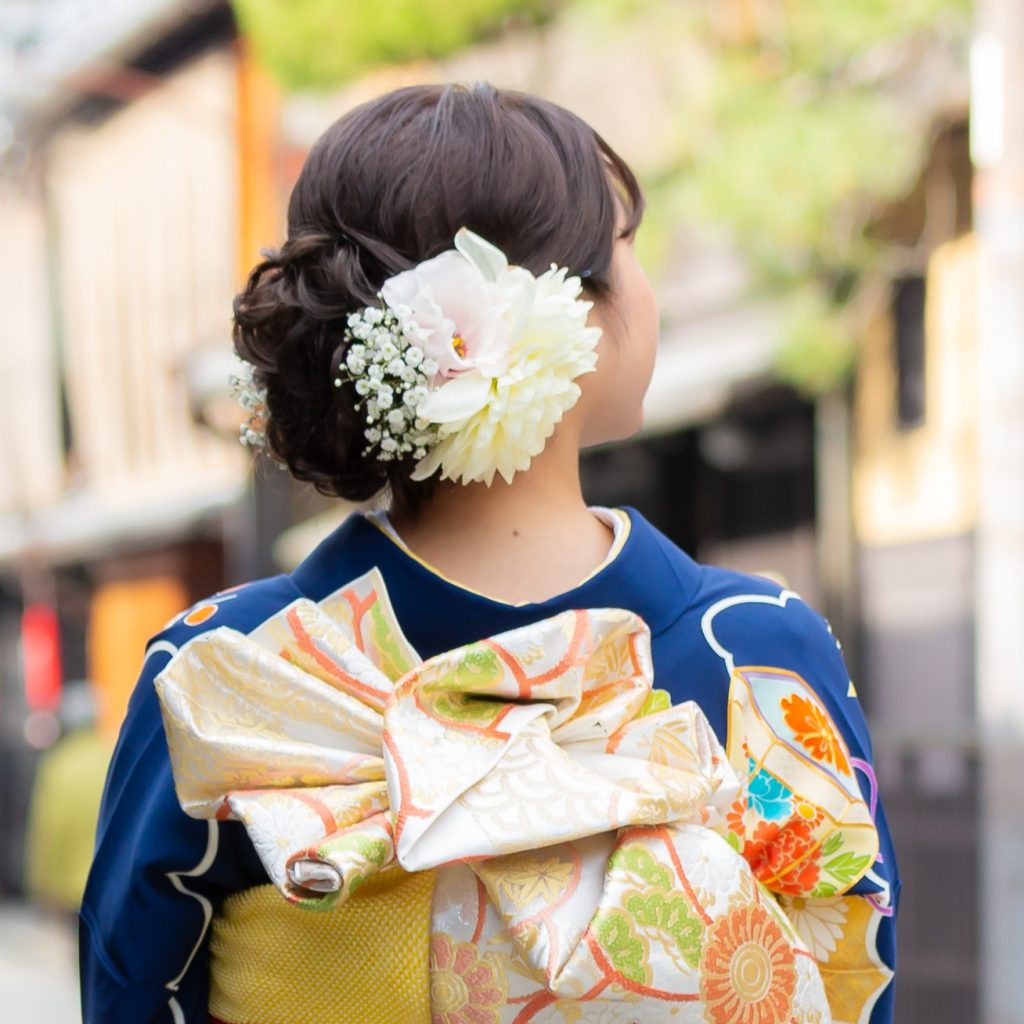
pixel 806 135
pixel 796 170
pixel 818 349
pixel 810 143
pixel 320 44
pixel 793 136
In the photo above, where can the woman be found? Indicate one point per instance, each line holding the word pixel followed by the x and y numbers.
pixel 440 729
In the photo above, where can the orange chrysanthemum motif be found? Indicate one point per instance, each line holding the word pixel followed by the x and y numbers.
pixel 748 974
pixel 781 856
pixel 815 731
pixel 464 988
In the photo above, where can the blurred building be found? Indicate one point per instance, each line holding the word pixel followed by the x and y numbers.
pixel 154 160
pixel 135 182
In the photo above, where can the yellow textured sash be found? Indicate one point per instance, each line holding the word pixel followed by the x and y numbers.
pixel 366 959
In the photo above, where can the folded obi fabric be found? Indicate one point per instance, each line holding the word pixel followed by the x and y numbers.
pixel 599 855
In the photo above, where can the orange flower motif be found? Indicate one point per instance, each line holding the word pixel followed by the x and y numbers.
pixel 464 988
pixel 774 850
pixel 734 816
pixel 748 973
pixel 815 731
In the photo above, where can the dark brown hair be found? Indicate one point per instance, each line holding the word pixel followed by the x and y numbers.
pixel 384 188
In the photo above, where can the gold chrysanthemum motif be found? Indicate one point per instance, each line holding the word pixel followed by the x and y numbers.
pixel 465 988
pixel 748 973
pixel 525 879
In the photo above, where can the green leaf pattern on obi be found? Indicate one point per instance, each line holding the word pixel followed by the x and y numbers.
pixel 623 947
pixel 847 866
pixel 670 915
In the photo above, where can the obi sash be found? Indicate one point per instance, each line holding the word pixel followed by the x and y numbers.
pixel 592 853
pixel 362 960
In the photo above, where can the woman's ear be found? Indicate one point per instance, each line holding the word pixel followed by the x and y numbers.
pixel 612 399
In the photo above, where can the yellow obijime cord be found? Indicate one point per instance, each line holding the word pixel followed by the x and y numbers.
pixel 366 959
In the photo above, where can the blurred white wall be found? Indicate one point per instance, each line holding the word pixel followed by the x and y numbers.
pixel 143 211
pixel 31 461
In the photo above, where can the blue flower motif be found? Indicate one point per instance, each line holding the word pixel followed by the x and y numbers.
pixel 768 796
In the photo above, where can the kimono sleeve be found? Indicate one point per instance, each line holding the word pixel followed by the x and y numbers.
pixel 156 879
pixel 808 819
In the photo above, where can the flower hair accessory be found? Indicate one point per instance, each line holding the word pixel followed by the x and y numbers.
pixel 467 365
pixel 253 400
pixel 470 363
pixel 392 379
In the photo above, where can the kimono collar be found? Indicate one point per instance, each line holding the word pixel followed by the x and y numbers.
pixel 649 576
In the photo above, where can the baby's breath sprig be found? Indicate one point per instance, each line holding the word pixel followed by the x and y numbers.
pixel 392 379
pixel 253 399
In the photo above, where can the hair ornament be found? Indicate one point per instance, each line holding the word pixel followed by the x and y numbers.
pixel 253 400
pixel 392 378
pixel 468 364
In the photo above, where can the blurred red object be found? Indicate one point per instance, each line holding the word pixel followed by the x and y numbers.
pixel 40 645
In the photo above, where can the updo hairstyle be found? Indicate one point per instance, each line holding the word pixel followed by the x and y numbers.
pixel 384 188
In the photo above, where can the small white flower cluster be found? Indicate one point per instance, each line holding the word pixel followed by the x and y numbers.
pixel 392 378
pixel 253 400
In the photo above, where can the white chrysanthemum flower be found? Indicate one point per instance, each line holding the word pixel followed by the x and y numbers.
pixel 496 415
pixel 819 922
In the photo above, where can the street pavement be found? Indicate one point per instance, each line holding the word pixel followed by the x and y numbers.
pixel 38 972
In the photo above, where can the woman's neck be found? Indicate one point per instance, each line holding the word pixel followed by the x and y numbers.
pixel 524 541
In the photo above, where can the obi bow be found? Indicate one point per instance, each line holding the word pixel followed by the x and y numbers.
pixel 342 752
pixel 599 844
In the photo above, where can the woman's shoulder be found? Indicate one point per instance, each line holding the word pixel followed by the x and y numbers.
pixel 750 623
pixel 242 608
pixel 701 585
pixel 744 618
pixel 760 613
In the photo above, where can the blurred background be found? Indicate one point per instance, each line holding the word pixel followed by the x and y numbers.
pixel 836 235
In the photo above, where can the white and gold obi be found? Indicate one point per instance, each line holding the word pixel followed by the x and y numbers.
pixel 517 830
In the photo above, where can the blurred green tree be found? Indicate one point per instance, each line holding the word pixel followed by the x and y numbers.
pixel 808 133
pixel 320 44
pixel 805 119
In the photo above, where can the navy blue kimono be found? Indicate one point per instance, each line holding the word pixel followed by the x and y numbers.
pixel 159 875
